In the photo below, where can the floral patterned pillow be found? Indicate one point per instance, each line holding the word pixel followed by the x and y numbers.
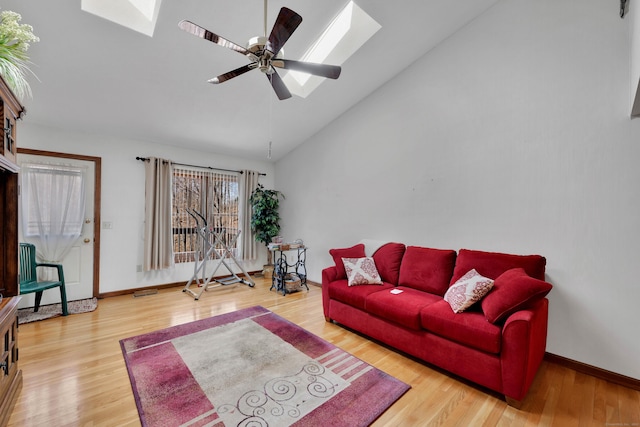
pixel 467 290
pixel 361 271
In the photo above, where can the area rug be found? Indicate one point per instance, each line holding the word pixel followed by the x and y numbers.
pixel 252 367
pixel 27 315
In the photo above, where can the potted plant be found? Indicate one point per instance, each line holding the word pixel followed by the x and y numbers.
pixel 14 43
pixel 265 219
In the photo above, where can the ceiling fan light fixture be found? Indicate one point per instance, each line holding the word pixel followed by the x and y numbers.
pixel 256 44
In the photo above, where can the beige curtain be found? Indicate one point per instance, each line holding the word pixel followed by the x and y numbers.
pixel 249 246
pixel 158 238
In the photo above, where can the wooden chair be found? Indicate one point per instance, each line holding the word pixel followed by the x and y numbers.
pixel 29 279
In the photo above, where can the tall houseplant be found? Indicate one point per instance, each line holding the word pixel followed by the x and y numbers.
pixel 265 218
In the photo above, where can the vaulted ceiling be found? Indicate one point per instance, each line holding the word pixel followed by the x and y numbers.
pixel 99 77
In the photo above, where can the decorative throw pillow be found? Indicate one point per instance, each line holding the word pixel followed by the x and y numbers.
pixel 361 271
pixel 469 289
pixel 513 290
pixel 356 251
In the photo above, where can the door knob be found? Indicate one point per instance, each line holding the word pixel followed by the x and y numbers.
pixel 87 240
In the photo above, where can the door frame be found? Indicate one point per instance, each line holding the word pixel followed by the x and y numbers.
pixel 97 161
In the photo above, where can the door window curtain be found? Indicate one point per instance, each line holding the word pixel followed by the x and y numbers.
pixel 52 207
pixel 249 246
pixel 158 238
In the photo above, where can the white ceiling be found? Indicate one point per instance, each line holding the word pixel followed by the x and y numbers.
pixel 99 77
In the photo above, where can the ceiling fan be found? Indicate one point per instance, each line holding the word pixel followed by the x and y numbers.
pixel 266 53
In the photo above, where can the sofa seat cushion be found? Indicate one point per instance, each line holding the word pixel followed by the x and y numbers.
pixel 469 328
pixel 400 305
pixel 427 269
pixel 354 295
pixel 493 264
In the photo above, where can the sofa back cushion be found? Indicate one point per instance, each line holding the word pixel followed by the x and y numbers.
pixel 388 259
pixel 356 251
pixel 493 264
pixel 427 269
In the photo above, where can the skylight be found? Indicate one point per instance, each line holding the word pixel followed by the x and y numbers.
pixel 351 29
pixel 138 15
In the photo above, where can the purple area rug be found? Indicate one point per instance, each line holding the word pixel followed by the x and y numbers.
pixel 252 367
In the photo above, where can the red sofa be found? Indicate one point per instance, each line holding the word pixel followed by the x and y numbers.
pixel 498 342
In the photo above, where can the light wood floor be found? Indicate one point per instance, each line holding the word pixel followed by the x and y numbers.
pixel 74 373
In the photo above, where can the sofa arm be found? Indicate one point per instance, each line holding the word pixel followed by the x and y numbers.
pixel 329 275
pixel 524 340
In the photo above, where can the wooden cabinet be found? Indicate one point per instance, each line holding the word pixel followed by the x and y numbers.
pixel 10 111
pixel 10 374
pixel 8 233
pixel 9 133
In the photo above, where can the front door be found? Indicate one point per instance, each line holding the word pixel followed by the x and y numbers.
pixel 78 264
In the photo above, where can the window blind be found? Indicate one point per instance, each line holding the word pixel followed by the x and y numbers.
pixel 213 195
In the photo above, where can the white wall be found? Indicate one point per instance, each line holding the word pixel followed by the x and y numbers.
pixel 123 198
pixel 634 18
pixel 513 135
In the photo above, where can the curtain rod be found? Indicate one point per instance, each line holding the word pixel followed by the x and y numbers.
pixel 146 159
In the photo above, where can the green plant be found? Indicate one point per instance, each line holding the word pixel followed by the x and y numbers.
pixel 14 43
pixel 265 219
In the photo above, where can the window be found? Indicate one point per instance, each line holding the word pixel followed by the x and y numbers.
pixel 212 195
pixel 347 33
pixel 138 15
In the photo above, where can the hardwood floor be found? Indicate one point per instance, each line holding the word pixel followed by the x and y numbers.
pixel 74 373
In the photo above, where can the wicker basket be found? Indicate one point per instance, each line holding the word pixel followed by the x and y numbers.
pixel 292 283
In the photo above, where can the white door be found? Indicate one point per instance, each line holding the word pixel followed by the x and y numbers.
pixel 78 263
